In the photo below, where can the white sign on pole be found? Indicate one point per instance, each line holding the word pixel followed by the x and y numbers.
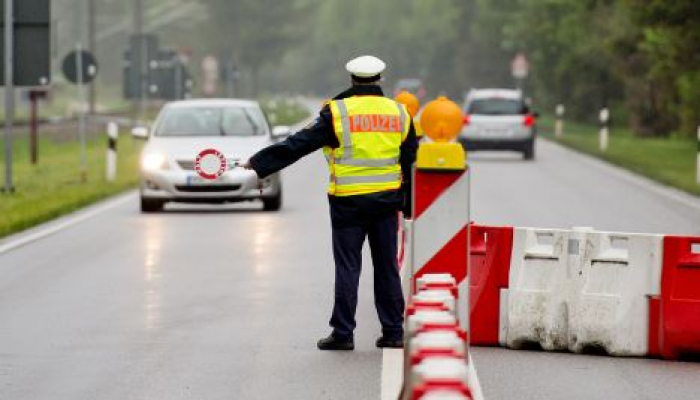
pixel 520 67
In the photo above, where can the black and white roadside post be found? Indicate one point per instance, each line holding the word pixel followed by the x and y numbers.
pixel 697 162
pixel 559 123
pixel 9 93
pixel 112 136
pixel 604 117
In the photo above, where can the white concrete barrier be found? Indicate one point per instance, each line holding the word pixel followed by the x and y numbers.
pixel 581 290
pixel 538 288
pixel 609 308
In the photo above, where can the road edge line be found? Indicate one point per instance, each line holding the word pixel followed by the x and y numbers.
pixel 41 231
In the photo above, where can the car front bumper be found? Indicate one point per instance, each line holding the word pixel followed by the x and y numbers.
pixel 187 186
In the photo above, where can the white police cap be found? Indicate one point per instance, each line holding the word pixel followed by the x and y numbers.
pixel 365 66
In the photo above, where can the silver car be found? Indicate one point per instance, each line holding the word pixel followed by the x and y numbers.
pixel 498 119
pixel 235 128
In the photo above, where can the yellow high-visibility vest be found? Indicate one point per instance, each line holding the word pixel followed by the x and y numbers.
pixel 370 130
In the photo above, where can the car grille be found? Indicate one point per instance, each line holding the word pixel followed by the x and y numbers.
pixel 207 188
pixel 187 165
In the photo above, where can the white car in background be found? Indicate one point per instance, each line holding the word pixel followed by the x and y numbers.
pixel 498 119
pixel 236 128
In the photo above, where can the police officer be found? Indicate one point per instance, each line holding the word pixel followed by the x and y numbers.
pixel 370 144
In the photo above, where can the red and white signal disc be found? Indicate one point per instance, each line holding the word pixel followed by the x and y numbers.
pixel 210 164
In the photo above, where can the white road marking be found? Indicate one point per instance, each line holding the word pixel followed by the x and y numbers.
pixel 392 373
pixel 49 228
pixel 474 384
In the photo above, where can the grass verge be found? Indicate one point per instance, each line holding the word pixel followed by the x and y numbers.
pixel 54 186
pixel 669 161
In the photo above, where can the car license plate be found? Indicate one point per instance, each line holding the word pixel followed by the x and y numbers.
pixel 193 180
pixel 497 132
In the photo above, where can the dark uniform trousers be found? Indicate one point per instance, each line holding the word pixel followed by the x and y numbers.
pixel 381 230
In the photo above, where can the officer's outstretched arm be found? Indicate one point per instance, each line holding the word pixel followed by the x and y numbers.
pixel 280 155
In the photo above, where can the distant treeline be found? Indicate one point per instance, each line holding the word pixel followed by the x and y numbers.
pixel 641 58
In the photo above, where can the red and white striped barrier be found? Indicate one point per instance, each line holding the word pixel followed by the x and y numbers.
pixel 439 232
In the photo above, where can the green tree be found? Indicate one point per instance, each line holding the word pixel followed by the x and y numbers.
pixel 255 32
pixel 671 45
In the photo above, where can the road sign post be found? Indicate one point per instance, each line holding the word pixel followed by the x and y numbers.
pixel 81 111
pixel 34 97
pixel 25 46
pixel 80 67
pixel 520 68
pixel 9 92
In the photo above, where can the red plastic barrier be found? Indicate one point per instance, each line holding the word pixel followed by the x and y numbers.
pixel 674 317
pixel 489 265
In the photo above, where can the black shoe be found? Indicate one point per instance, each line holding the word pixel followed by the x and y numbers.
pixel 332 343
pixel 383 342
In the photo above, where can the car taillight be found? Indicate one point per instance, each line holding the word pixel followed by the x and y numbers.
pixel 465 119
pixel 529 120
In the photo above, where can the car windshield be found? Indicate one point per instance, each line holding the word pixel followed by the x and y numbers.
pixel 212 121
pixel 496 107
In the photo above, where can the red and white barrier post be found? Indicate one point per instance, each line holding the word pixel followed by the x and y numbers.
pixel 441 204
pixel 436 352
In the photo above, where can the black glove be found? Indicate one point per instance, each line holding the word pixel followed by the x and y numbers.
pixel 406 204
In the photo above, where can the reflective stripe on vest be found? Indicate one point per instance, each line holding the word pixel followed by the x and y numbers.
pixel 370 130
pixel 349 180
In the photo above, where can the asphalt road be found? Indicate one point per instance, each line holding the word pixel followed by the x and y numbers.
pixel 212 303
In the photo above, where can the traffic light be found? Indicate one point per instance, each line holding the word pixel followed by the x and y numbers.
pixel 142 49
pixel 154 73
pixel 169 77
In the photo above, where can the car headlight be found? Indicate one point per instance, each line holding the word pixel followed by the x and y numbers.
pixel 154 162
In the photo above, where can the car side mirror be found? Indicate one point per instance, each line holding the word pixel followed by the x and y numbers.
pixel 139 132
pixel 281 132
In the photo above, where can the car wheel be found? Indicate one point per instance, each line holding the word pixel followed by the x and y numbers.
pixel 273 203
pixel 529 151
pixel 151 205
